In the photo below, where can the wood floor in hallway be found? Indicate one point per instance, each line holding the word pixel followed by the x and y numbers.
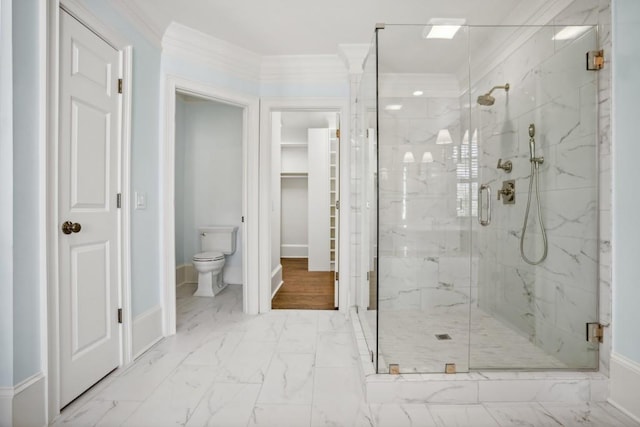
pixel 303 289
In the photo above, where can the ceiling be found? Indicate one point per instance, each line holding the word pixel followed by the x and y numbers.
pixel 296 27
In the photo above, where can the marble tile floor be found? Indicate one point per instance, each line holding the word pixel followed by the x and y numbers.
pixel 284 368
pixel 408 338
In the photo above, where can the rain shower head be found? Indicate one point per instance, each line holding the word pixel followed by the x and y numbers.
pixel 487 99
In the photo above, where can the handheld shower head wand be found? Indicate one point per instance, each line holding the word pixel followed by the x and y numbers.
pixel 487 99
pixel 532 147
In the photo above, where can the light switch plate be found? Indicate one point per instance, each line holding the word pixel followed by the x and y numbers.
pixel 141 200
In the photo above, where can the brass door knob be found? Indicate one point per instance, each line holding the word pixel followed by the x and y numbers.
pixel 69 227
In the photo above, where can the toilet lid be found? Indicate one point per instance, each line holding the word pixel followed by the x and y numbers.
pixel 208 256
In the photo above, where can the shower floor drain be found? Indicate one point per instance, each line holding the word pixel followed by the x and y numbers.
pixel 443 336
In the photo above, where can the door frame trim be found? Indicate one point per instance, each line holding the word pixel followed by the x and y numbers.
pixel 173 85
pixel 51 324
pixel 268 105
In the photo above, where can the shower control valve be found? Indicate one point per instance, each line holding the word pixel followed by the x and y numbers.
pixel 506 166
pixel 508 192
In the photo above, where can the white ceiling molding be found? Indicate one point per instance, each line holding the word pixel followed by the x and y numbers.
pixel 353 56
pixel 184 42
pixel 303 68
pixel 148 28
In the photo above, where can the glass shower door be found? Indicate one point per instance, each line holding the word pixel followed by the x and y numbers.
pixel 425 207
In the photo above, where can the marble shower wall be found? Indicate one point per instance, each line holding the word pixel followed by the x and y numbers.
pixel 549 303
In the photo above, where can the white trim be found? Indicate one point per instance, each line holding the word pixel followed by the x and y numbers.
pixel 353 55
pixel 51 326
pixel 302 68
pixel 625 385
pixel 26 402
pixel 187 273
pixel 6 406
pixel 147 27
pixel 294 251
pixel 78 10
pixel 147 330
pixel 174 84
pixel 276 280
pixel 194 46
pixel 267 106
pixel 125 208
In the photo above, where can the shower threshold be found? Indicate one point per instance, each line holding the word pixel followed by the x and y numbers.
pixel 477 386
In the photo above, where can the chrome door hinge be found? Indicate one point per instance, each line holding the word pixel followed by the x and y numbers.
pixel 119 200
pixel 595 332
pixel 595 60
pixel 368 276
pixel 119 85
pixel 242 219
pixel 119 315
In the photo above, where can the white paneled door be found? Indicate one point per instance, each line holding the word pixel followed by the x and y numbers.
pixel 87 210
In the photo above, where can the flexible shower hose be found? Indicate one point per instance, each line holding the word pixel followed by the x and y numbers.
pixel 534 175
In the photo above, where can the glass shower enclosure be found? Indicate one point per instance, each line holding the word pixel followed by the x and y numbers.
pixel 476 199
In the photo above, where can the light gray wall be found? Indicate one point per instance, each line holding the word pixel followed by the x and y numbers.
pixel 209 175
pixel 26 193
pixel 626 203
pixel 145 159
pixel 6 194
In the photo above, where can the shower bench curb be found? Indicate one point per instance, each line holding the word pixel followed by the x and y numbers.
pixel 476 387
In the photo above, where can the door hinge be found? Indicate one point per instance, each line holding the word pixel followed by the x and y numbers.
pixel 119 200
pixel 367 133
pixel 242 219
pixel 595 332
pixel 338 204
pixel 338 133
pixel 119 85
pixel 368 276
pixel 371 353
pixel 595 60
pixel 337 276
pixel 119 315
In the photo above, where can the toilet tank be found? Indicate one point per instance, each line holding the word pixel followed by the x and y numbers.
pixel 218 238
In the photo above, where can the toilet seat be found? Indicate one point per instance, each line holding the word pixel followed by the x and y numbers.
pixel 208 256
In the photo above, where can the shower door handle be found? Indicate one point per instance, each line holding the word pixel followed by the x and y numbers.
pixel 481 189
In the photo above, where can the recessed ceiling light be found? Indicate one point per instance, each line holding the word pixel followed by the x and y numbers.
pixel 393 107
pixel 442 28
pixel 570 33
pixel 418 93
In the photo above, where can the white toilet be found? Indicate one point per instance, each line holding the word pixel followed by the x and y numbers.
pixel 215 243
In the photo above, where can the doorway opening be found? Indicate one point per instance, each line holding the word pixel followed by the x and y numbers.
pixel 209 204
pixel 305 223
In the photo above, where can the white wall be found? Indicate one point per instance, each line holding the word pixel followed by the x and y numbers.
pixel 295 218
pixel 26 196
pixel 210 174
pixel 625 364
pixel 6 194
pixel 276 164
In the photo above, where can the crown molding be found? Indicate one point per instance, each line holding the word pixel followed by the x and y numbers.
pixel 184 42
pixel 145 26
pixel 354 56
pixel 303 68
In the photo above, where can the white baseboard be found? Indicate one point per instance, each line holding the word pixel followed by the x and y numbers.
pixel 186 273
pixel 276 280
pixel 25 404
pixel 294 251
pixel 6 403
pixel 147 330
pixel 625 385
